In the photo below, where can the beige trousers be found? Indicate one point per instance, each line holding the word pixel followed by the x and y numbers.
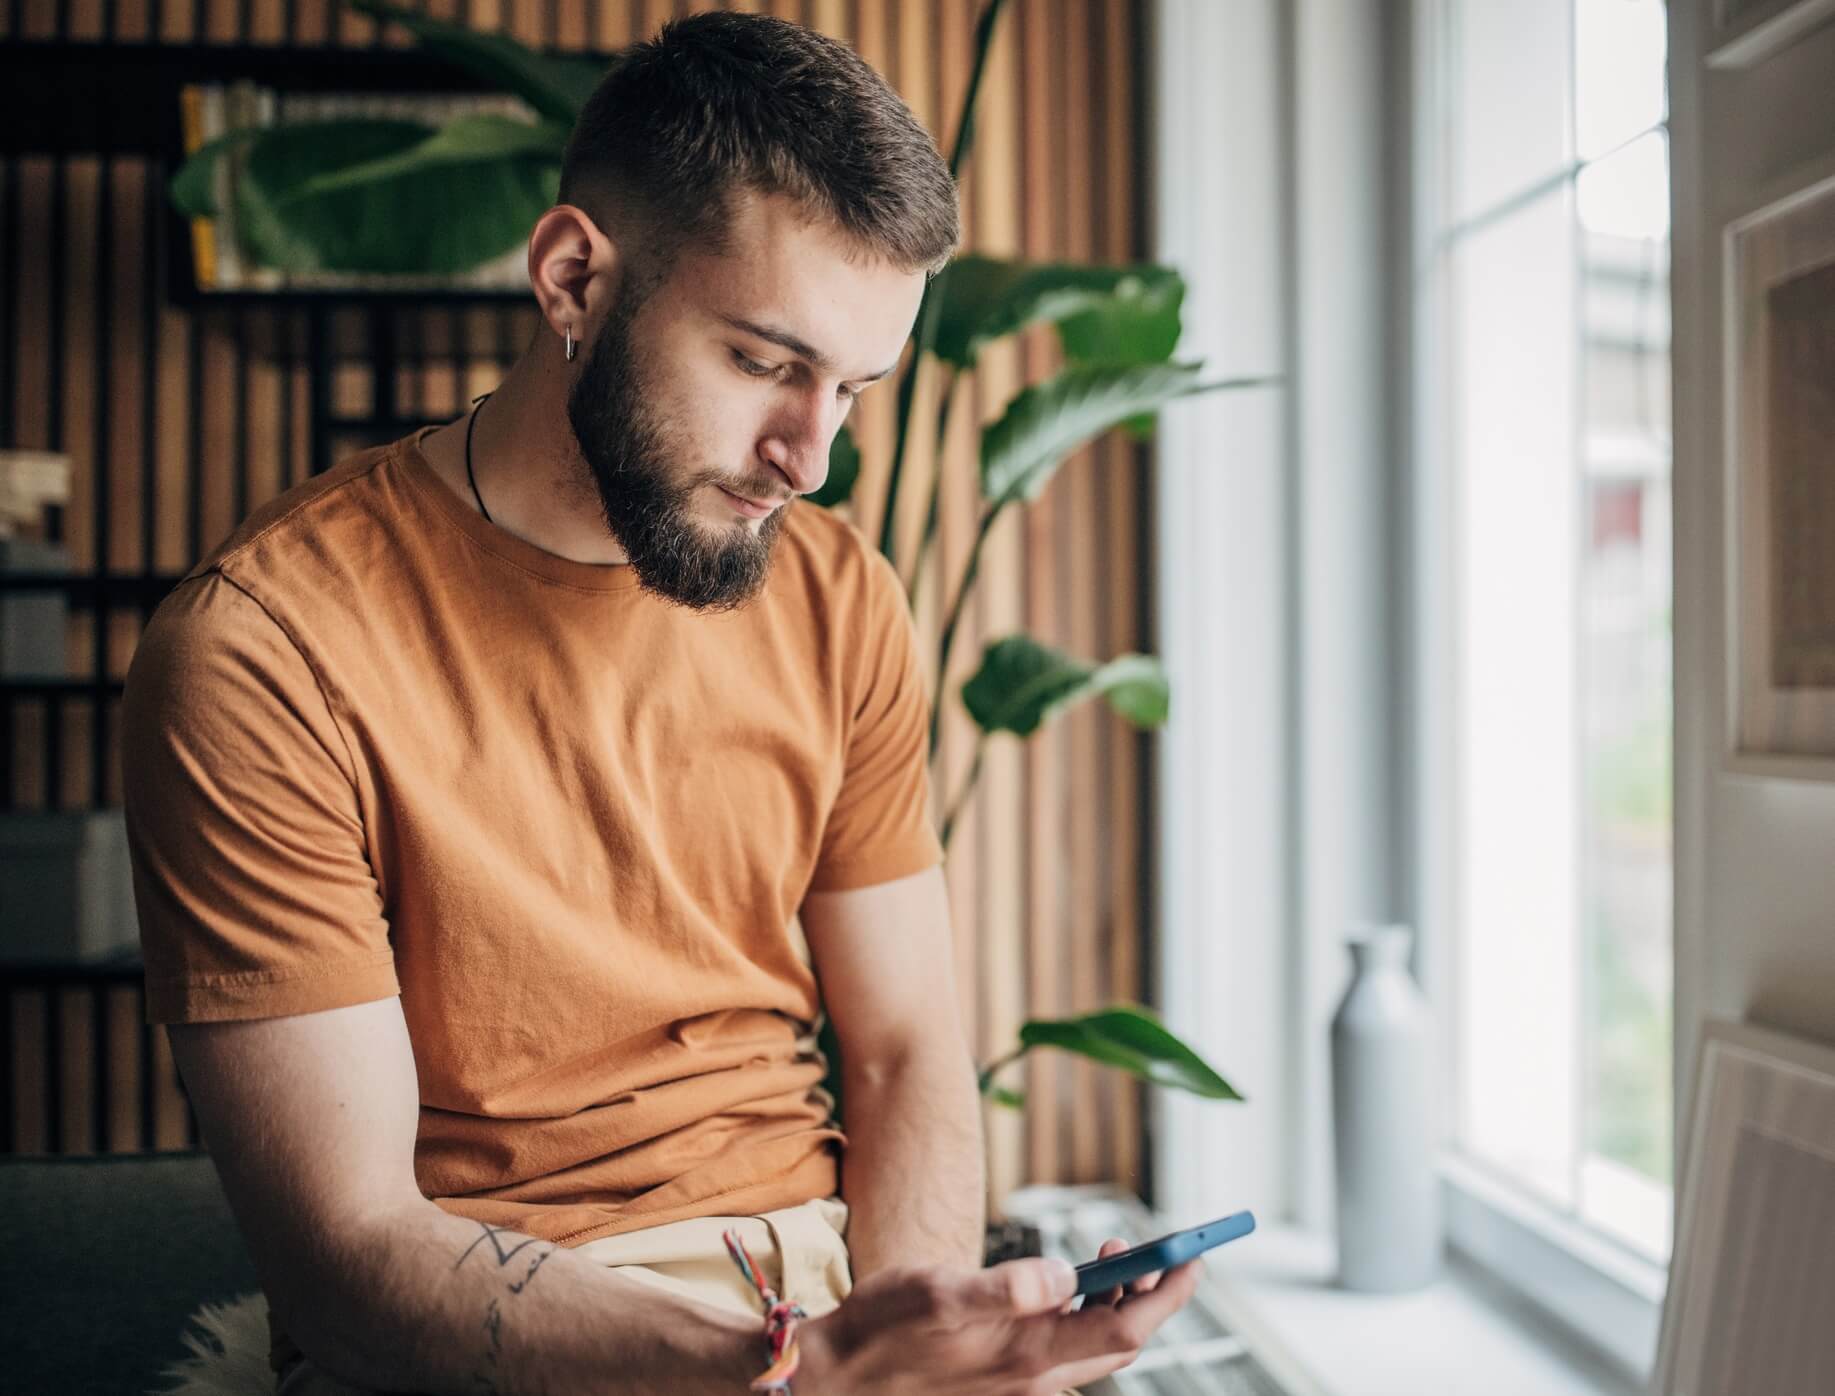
pixel 801 1249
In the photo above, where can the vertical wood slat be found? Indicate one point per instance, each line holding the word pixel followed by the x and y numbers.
pixel 1081 593
pixel 873 420
pixel 76 401
pixel 177 21
pixel 26 302
pixel 1045 871
pixel 915 75
pixel 9 286
pixel 106 323
pixel 956 520
pixel 26 1061
pixel 1122 241
pixel 268 22
pixel 85 1073
pixel 1045 855
pixel 75 1071
pixel 994 173
pixel 126 1071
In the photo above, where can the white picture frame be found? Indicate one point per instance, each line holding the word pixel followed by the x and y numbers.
pixel 1756 1221
pixel 1747 32
pixel 1779 286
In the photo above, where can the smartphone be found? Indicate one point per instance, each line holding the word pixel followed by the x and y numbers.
pixel 1096 1276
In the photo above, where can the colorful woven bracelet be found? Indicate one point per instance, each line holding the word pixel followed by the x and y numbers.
pixel 781 1319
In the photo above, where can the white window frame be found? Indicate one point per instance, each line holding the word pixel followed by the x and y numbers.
pixel 1256 111
pixel 1604 1292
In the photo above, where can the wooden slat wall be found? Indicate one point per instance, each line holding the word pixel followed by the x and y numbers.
pixel 204 416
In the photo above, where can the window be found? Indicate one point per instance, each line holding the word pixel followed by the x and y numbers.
pixel 1546 416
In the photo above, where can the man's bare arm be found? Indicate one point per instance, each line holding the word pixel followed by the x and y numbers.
pixel 914 1176
pixel 427 1302
pixel 311 1122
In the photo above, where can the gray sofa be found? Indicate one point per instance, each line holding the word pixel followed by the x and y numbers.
pixel 106 1256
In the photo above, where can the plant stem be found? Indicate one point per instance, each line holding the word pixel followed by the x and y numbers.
pixel 936 486
pixel 927 310
pixel 988 516
pixel 968 789
pixel 986 1076
pixel 907 387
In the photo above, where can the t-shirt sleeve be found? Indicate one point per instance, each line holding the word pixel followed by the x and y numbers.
pixel 879 828
pixel 251 877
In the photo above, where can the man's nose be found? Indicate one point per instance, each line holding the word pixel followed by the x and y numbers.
pixel 797 443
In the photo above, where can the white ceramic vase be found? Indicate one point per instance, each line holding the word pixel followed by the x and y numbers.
pixel 1383 1090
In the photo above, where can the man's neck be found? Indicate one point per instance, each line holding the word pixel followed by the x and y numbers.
pixel 526 465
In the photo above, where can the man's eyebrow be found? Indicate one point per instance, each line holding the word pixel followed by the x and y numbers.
pixel 801 348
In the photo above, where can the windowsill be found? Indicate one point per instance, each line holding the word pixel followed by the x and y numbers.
pixel 1465 1332
pixel 1587 1286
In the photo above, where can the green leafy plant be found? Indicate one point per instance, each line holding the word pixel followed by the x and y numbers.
pixel 360 195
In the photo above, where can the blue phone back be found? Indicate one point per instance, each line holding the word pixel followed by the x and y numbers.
pixel 1095 1276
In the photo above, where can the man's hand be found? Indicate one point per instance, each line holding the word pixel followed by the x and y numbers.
pixel 1009 1330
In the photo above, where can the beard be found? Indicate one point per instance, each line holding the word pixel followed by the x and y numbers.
pixel 649 500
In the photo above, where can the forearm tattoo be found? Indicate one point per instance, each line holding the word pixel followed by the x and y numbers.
pixel 511 1257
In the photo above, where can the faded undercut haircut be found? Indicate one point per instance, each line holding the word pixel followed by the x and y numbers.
pixel 722 102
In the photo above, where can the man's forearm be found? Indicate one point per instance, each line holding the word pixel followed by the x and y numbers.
pixel 425 1301
pixel 914 1176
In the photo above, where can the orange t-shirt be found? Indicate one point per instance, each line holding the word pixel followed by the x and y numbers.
pixel 374 744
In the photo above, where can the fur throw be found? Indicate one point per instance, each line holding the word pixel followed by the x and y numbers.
pixel 229 1343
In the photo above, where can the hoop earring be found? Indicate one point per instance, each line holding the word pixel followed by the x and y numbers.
pixel 570 343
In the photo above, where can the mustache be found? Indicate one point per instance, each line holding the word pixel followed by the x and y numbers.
pixel 763 491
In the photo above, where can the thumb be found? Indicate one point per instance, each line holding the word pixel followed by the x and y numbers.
pixel 1031 1286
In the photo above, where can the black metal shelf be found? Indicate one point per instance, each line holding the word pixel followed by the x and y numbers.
pixel 61 688
pixel 71 97
pixel 343 298
pixel 96 589
pixel 122 967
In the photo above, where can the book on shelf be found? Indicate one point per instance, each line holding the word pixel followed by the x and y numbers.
pixel 30 482
pixel 220 262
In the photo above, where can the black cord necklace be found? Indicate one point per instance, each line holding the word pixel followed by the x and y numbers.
pixel 472 422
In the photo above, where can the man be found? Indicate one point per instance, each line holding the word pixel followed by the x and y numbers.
pixel 475 786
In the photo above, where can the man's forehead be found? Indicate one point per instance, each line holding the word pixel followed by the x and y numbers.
pixel 845 319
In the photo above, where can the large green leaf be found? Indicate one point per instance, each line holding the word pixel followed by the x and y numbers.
pixel 555 87
pixel 1049 420
pixel 843 471
pixel 191 188
pixel 1127 314
pixel 393 196
pixel 1132 1038
pixel 1021 683
pixel 1139 324
pixel 478 138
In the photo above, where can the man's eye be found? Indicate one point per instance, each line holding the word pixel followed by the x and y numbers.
pixel 755 369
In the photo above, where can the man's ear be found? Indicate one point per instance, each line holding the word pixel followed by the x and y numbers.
pixel 573 268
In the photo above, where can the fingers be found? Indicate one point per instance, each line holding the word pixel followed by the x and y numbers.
pixel 1099 1333
pixel 1032 1286
pixel 1113 1246
pixel 1108 1248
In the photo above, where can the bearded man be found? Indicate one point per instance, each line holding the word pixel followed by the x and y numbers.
pixel 477 789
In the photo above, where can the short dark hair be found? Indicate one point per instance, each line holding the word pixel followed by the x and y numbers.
pixel 722 102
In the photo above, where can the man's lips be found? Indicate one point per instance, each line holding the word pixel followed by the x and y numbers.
pixel 751 508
